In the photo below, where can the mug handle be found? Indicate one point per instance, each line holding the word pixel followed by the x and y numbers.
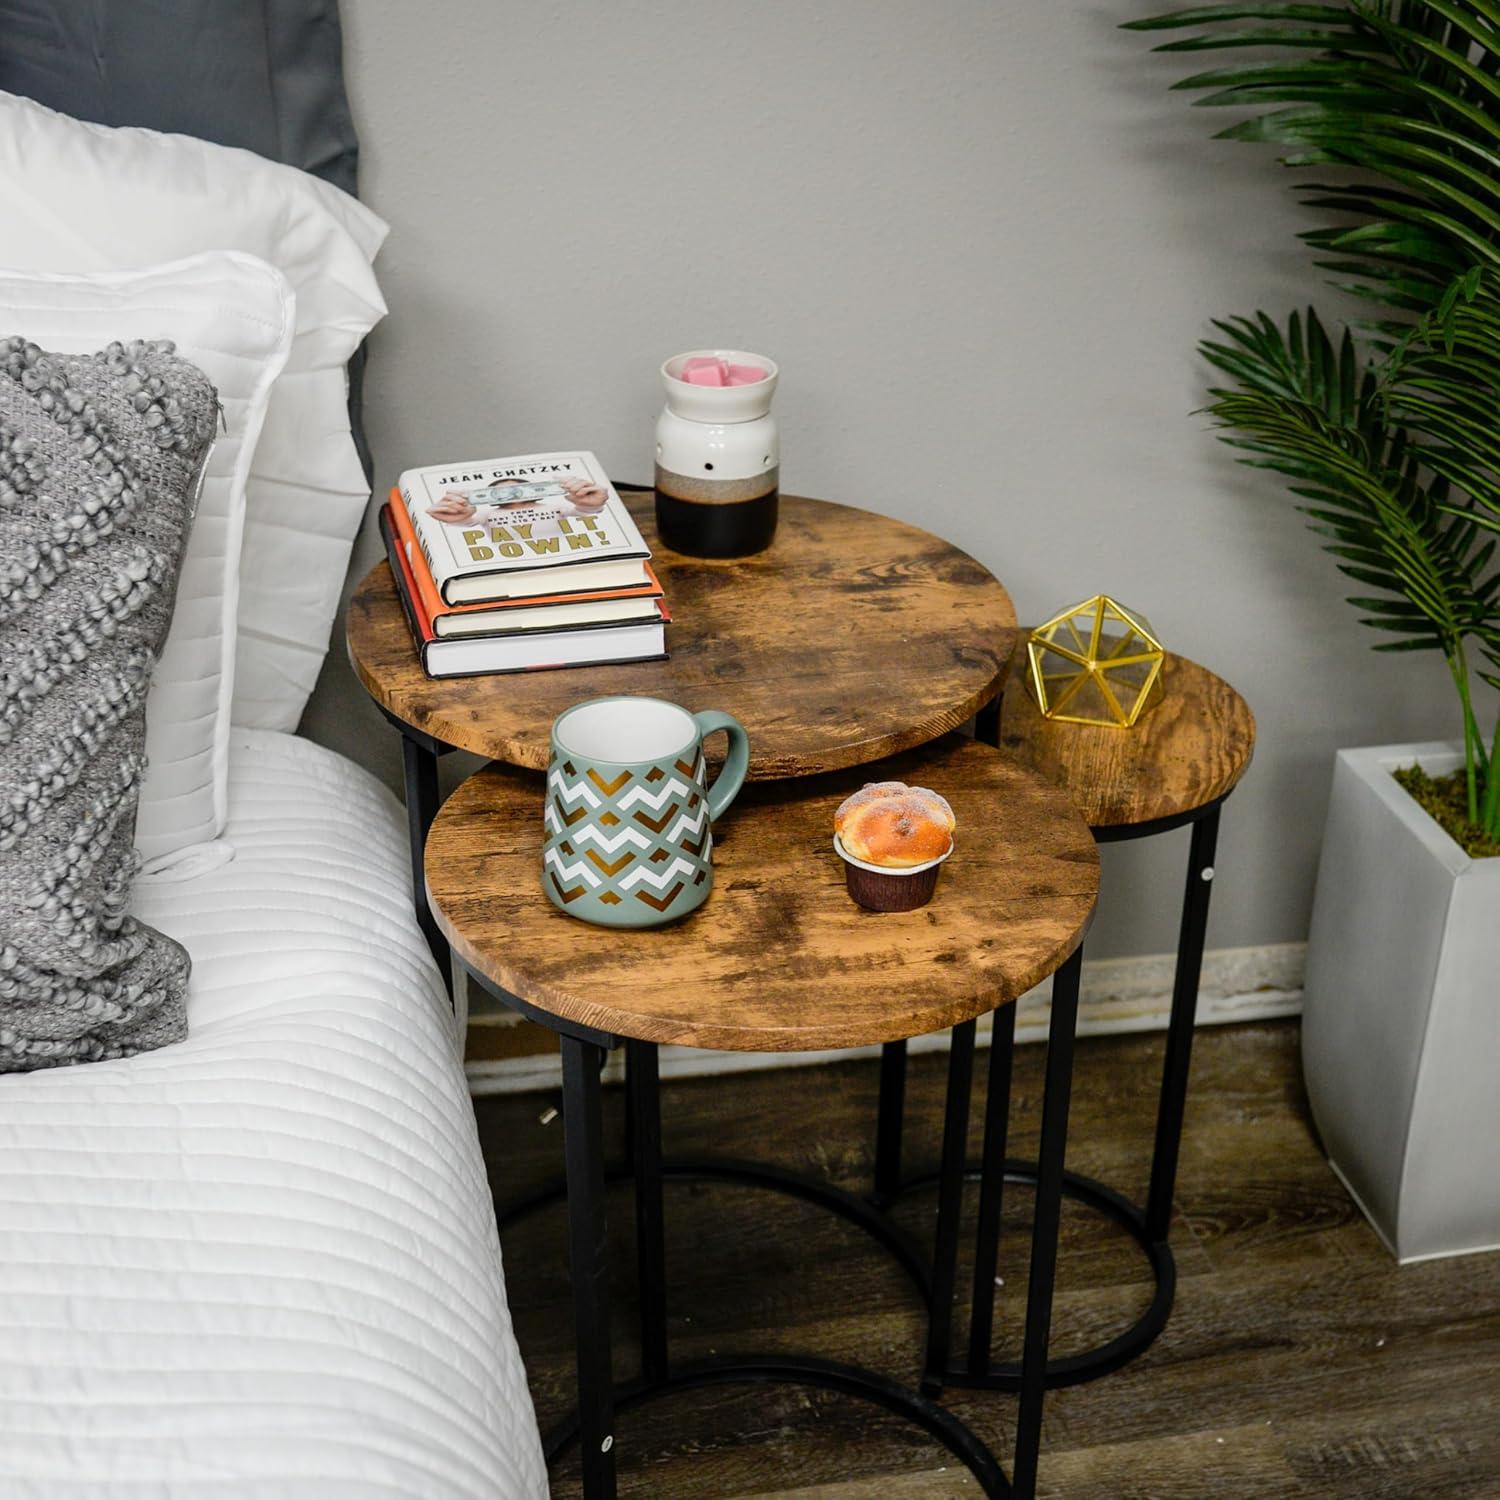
pixel 731 776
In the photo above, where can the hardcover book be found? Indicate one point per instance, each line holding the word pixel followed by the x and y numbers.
pixel 507 616
pixel 505 528
pixel 517 651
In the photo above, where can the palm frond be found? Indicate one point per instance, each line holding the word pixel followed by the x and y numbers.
pixel 1318 413
pixel 1442 383
pixel 1406 93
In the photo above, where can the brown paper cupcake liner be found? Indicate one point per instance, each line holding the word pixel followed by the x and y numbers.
pixel 889 889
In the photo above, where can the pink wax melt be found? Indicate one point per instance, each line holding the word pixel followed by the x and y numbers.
pixel 706 372
pixel 717 372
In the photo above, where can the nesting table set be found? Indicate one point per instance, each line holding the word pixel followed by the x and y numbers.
pixel 853 650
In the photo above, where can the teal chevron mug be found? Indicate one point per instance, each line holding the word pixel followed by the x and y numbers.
pixel 628 836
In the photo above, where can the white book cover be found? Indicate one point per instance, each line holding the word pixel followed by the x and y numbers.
pixel 554 514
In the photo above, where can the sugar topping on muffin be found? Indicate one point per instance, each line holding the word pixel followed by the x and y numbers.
pixel 892 824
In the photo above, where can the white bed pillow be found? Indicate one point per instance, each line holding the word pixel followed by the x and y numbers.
pixel 232 316
pixel 80 197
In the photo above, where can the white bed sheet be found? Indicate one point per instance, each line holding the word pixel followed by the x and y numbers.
pixel 263 1262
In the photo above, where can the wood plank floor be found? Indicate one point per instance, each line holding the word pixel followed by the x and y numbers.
pixel 1300 1361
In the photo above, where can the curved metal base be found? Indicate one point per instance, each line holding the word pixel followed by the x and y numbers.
pixel 824 1374
pixel 855 1210
pixel 1089 1364
pixel 848 1380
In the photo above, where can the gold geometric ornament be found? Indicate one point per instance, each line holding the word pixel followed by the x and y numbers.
pixel 1096 663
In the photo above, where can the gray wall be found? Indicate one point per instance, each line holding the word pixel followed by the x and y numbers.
pixel 981 239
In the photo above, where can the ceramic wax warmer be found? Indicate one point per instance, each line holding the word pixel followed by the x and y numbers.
pixel 717 454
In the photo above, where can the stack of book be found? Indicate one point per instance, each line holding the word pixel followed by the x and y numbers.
pixel 517 564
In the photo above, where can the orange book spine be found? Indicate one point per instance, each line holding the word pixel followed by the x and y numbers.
pixel 406 537
pixel 421 626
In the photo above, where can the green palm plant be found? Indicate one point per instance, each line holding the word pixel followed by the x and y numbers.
pixel 1388 435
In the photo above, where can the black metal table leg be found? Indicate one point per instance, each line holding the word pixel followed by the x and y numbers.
pixel 1044 1230
pixel 419 764
pixel 583 1148
pixel 650 1237
pixel 889 1122
pixel 987 1242
pixel 950 1206
pixel 987 722
pixel 1174 1082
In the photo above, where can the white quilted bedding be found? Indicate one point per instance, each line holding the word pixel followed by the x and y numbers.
pixel 263 1262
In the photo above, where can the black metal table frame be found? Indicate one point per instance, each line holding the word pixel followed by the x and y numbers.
pixel 586 1175
pixel 419 769
pixel 1149 1226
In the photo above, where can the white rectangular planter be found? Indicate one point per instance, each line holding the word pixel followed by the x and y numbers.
pixel 1401 1011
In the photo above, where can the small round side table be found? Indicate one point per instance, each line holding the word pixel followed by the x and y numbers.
pixel 780 959
pixel 1176 766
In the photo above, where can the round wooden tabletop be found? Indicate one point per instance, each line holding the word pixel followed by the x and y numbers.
pixel 854 636
pixel 1185 752
pixel 779 958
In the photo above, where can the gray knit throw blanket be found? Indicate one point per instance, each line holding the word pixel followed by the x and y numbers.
pixel 99 461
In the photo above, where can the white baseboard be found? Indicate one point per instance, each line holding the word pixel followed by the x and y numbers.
pixel 1117 995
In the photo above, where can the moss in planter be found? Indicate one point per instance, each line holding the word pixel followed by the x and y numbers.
pixel 1446 800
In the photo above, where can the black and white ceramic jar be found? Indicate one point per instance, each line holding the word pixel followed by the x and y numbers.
pixel 718 456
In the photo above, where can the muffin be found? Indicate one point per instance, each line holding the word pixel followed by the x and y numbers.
pixel 893 838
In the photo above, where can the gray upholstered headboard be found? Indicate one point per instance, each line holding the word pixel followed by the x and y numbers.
pixel 264 74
